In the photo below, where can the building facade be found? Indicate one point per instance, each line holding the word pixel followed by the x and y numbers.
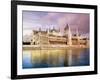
pixel 55 37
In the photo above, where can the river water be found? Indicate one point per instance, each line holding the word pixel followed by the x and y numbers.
pixel 55 58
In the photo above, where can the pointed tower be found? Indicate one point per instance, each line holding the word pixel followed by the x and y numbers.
pixel 68 34
pixel 47 30
pixel 66 27
pixel 53 30
pixel 77 34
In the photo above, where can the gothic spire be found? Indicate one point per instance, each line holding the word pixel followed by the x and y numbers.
pixel 66 27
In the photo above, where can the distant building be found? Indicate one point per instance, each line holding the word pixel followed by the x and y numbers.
pixel 54 36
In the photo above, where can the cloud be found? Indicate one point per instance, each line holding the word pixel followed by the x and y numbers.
pixel 49 19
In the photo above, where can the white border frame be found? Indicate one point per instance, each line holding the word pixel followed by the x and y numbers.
pixel 21 71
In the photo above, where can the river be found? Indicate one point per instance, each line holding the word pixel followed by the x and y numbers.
pixel 55 58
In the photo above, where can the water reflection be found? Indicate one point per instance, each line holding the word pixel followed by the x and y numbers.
pixel 55 58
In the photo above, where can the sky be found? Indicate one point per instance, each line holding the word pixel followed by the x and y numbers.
pixel 33 20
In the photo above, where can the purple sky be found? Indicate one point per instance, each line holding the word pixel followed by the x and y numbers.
pixel 45 20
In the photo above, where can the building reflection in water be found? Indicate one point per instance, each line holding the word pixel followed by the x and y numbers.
pixel 55 58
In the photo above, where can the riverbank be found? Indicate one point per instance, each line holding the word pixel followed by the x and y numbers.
pixel 36 47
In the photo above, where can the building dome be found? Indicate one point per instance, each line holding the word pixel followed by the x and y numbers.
pixel 54 30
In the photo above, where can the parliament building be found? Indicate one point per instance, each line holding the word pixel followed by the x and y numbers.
pixel 55 37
